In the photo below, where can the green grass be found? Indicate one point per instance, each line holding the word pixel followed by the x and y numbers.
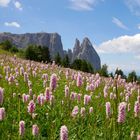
pixel 5 52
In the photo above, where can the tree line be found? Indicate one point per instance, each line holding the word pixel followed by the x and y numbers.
pixel 41 53
pixel 131 77
pixel 8 46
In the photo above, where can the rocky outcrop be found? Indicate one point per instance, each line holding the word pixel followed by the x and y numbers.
pixel 51 40
pixel 87 52
pixel 76 49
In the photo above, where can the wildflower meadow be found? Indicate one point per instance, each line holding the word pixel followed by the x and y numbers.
pixel 47 102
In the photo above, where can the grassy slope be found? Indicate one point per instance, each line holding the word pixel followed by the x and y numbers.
pixel 51 117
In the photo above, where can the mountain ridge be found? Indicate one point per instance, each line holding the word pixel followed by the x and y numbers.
pixel 85 50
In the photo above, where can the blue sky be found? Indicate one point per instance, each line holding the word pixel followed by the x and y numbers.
pixel 113 26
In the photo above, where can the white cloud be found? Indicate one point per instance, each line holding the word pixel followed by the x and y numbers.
pixel 83 5
pixel 4 3
pixel 12 24
pixel 137 57
pixel 18 5
pixel 122 44
pixel 134 6
pixel 119 23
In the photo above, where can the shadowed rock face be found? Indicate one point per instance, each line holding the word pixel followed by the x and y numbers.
pixel 51 40
pixel 70 55
pixel 87 52
pixel 76 49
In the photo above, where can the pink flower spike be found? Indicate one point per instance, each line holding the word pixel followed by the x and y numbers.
pixel 79 80
pixel 108 109
pixel 138 137
pixel 21 128
pixel 90 110
pixel 47 94
pixel 35 130
pixel 66 91
pixel 87 99
pixel 1 95
pixel 63 133
pixel 122 112
pixel 31 107
pixel 75 111
pixel 2 113
pixel 136 108
pixel 83 111
pixel 53 81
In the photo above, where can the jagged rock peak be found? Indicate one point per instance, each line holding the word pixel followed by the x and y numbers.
pixel 86 42
pixel 76 49
pixel 77 44
pixel 77 41
pixel 87 52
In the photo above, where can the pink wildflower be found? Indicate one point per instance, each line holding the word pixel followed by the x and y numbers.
pixel 83 111
pixel 111 95
pixel 25 98
pixel 21 128
pixel 79 97
pixel 73 95
pixel 31 107
pixel 90 110
pixel 75 111
pixel 53 81
pixel 138 137
pixel 25 77
pixel 40 99
pixel 2 113
pixel 47 94
pixel 21 71
pixel 51 99
pixel 136 108
pixel 87 99
pixel 35 130
pixel 66 91
pixel 122 112
pixel 30 92
pixel 108 109
pixel 79 80
pixel 63 133
pixel 1 95
pixel 105 91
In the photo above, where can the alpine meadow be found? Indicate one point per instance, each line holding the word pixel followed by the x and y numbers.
pixel 69 69
pixel 46 101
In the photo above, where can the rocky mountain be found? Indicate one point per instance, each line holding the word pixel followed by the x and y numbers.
pixel 84 50
pixel 51 40
pixel 87 52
